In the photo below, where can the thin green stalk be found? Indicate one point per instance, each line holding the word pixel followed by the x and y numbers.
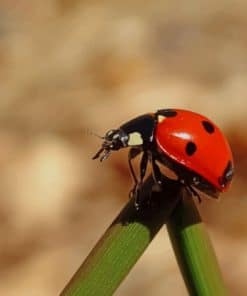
pixel 194 252
pixel 123 243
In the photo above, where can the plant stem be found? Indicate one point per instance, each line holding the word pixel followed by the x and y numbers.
pixel 124 242
pixel 194 252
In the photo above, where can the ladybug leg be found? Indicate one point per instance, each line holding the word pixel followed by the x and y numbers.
pixel 193 192
pixel 133 152
pixel 196 194
pixel 143 165
pixel 143 169
pixel 156 175
pixel 135 191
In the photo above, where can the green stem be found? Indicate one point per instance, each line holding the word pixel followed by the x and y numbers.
pixel 194 252
pixel 123 243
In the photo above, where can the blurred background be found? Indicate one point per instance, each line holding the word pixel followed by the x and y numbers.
pixel 69 68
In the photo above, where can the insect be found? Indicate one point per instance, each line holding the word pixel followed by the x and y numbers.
pixel 188 143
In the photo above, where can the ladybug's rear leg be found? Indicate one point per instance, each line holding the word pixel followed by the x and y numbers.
pixel 191 191
pixel 194 193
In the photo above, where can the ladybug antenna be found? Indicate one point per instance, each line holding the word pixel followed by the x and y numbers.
pixel 96 135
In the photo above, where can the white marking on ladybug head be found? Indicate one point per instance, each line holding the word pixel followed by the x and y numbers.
pixel 161 118
pixel 135 139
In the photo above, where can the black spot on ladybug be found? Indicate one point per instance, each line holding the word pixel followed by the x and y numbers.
pixel 209 128
pixel 167 112
pixel 227 174
pixel 190 148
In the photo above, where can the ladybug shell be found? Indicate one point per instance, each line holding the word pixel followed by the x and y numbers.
pixel 195 142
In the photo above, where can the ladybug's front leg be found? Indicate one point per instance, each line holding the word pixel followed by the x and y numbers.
pixel 135 192
pixel 133 152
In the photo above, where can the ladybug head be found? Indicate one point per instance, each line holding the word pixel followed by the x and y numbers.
pixel 114 139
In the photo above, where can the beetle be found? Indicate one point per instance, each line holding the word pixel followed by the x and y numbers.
pixel 188 143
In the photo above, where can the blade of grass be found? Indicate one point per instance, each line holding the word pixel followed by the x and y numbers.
pixel 194 252
pixel 123 243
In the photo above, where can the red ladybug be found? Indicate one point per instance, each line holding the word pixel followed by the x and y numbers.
pixel 186 142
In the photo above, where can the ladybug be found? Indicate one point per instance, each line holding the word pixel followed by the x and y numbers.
pixel 188 143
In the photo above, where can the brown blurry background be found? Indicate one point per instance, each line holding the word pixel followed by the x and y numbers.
pixel 69 68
